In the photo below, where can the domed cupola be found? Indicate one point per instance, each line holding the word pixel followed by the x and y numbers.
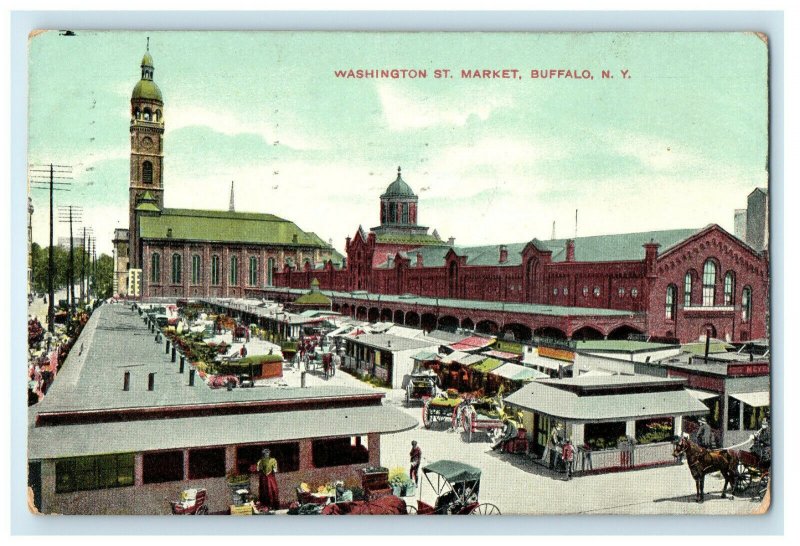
pixel 146 88
pixel 399 204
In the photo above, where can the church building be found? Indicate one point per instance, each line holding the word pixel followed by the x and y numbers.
pixel 176 252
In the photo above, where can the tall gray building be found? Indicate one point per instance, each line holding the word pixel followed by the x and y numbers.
pixel 757 235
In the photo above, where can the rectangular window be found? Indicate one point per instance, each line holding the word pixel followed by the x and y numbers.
pixel 753 415
pixel 99 472
pixel 339 452
pixel 287 455
pixel 253 277
pixel 651 431
pixel 195 269
pixel 604 435
pixel 206 463
pixel 734 407
pixel 233 277
pixel 164 466
pixel 405 213
pixel 215 270
pixel 155 268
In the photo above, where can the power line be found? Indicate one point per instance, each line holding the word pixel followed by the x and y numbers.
pixel 40 182
pixel 68 214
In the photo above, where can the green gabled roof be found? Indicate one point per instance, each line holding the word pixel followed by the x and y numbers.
pixel 147 207
pixel 313 298
pixel 621 345
pixel 226 227
pixel 598 248
pixel 411 239
pixel 147 196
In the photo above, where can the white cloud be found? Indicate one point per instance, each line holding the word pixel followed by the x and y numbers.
pixel 407 109
pixel 188 115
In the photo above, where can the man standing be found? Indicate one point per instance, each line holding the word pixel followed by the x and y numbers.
pixel 416 459
pixel 704 434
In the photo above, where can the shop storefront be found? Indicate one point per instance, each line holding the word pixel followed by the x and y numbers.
pixel 615 422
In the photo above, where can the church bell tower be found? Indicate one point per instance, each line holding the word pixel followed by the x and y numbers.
pixel 147 152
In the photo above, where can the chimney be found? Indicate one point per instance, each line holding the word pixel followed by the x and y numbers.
pixel 419 259
pixel 503 254
pixel 151 381
pixel 570 250
pixel 451 241
pixel 650 255
pixel 126 381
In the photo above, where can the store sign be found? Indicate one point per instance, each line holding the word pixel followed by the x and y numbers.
pixel 748 369
pixel 509 347
pixel 556 353
pixel 703 382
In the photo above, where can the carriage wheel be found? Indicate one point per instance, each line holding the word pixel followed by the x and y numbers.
pixel 454 419
pixel 426 417
pixel 411 510
pixel 202 511
pixel 743 479
pixel 485 509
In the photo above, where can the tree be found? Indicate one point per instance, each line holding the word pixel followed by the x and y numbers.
pixel 105 276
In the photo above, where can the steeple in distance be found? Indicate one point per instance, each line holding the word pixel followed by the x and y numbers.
pixel 231 207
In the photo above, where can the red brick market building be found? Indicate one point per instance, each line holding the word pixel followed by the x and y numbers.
pixel 678 283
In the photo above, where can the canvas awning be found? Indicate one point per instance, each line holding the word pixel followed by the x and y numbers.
pixel 504 355
pixel 702 395
pixel 487 365
pixel 471 343
pixel 515 372
pixel 453 471
pixel 425 356
pixel 755 399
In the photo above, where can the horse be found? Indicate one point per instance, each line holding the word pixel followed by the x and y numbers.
pixel 388 505
pixel 704 461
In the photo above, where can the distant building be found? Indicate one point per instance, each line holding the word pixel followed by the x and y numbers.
pixel 740 224
pixel 196 253
pixel 63 243
pixel 758 219
pixel 679 284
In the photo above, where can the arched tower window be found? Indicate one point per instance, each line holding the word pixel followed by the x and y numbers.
pixel 253 273
pixel 147 114
pixel 709 283
pixel 671 301
pixel 176 268
pixel 730 287
pixel 147 172
pixel 196 269
pixel 687 289
pixel 155 268
pixel 215 270
pixel 405 213
pixel 747 303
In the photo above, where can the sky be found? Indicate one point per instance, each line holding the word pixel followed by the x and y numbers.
pixel 678 143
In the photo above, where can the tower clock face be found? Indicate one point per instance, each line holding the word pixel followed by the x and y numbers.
pixel 147 143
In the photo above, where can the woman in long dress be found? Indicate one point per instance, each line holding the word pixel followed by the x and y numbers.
pixel 267 483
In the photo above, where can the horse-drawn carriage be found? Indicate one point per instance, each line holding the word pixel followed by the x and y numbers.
pixel 753 468
pixel 422 385
pixel 480 415
pixel 444 407
pixel 456 487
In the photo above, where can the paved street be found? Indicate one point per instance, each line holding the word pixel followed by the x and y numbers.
pixel 519 486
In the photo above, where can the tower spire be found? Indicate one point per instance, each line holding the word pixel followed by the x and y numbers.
pixel 231 208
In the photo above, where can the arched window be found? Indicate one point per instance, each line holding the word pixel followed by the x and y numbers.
pixel 196 269
pixel 176 268
pixel 233 274
pixel 392 213
pixel 709 283
pixel 687 289
pixel 215 270
pixel 669 304
pixel 157 115
pixel 155 268
pixel 147 114
pixel 147 172
pixel 730 287
pixel 747 303
pixel 253 273
pixel 270 268
pixel 405 213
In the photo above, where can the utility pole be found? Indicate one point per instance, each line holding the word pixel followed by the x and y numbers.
pixel 86 263
pixel 44 177
pixel 70 214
